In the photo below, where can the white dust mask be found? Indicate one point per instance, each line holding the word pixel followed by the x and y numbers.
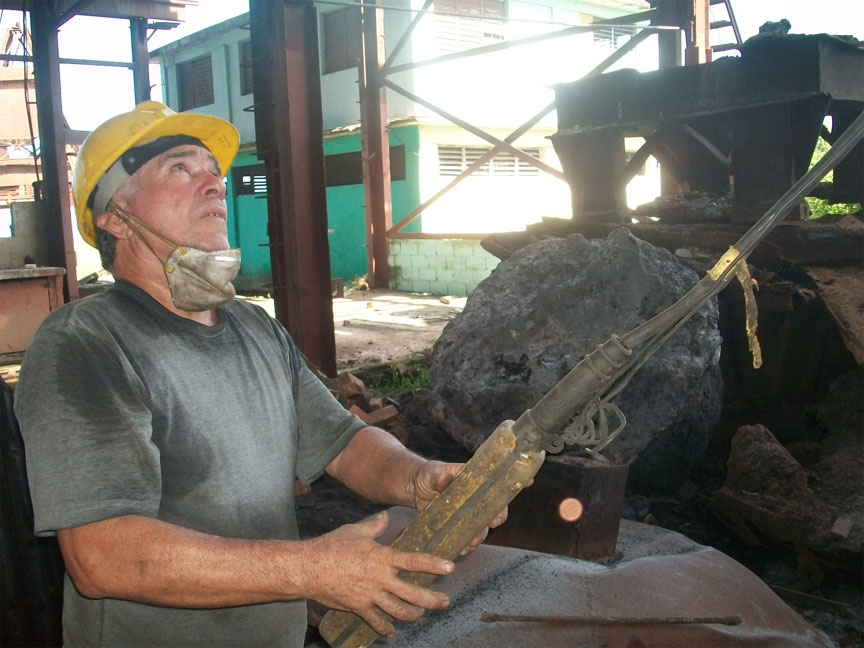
pixel 199 280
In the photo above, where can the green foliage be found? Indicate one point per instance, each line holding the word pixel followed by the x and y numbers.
pixel 818 206
pixel 399 379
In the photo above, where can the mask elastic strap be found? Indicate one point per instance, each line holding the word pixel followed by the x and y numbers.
pixel 132 220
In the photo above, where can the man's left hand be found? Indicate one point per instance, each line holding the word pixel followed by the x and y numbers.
pixel 431 478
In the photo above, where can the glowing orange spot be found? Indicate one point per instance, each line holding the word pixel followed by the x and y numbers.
pixel 570 509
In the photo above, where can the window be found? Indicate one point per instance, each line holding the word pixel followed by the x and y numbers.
pixel 195 83
pixel 342 45
pixel 341 169
pixel 249 180
pixel 453 160
pixel 6 230
pixel 479 22
pixel 347 168
pixel 246 67
pixel 612 37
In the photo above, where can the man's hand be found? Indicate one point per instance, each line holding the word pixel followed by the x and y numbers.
pixel 349 571
pixel 429 479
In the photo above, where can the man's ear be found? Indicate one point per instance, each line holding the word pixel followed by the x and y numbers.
pixel 113 224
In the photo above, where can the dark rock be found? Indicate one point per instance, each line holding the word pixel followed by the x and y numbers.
pixel 548 305
pixel 766 497
pixel 838 541
pixel 693 207
pixel 841 412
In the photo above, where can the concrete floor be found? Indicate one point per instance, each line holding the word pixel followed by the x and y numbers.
pixel 378 326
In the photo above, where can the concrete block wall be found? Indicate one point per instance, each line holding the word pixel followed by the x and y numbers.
pixel 438 267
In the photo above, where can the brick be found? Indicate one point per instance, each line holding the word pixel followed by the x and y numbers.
pixel 438 288
pixel 419 286
pixel 351 386
pixel 408 248
pixel 382 415
pixel 427 274
pixel 437 261
pixel 426 247
pixel 474 263
pixel 444 248
pixel 447 275
pixel 420 261
pixel 455 262
pixel 359 412
pixel 464 248
pixel 491 262
pixel 457 288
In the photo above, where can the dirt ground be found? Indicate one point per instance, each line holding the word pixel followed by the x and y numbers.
pixel 378 326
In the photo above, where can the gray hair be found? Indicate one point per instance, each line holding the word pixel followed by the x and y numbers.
pixel 106 243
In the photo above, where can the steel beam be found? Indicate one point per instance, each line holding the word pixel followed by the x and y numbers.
pixel 512 137
pixel 140 59
pixel 376 148
pixel 474 130
pixel 288 126
pixel 67 61
pixel 510 44
pixel 403 40
pixel 615 56
pixel 55 173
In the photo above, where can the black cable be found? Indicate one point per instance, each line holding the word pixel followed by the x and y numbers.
pixel 23 41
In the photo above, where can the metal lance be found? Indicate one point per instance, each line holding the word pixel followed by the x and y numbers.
pixel 513 454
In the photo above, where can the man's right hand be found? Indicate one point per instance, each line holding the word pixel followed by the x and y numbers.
pixel 351 572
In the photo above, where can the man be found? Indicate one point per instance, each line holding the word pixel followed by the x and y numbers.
pixel 165 424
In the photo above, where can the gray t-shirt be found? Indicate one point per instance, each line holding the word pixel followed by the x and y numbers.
pixel 128 409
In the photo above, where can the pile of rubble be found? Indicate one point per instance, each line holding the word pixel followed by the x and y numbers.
pixel 354 396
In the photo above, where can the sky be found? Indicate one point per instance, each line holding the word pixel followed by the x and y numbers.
pixel 92 94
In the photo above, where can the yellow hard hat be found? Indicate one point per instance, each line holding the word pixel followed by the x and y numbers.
pixel 149 121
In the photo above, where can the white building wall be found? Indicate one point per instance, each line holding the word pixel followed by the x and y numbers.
pixel 498 89
pixel 487 203
pixel 340 94
pixel 228 103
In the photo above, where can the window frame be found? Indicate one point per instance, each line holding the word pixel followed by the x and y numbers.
pixel 194 87
pixel 244 59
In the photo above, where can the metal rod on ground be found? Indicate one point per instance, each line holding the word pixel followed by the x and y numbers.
pixel 493 617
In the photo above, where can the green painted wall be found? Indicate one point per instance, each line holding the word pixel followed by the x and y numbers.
pixel 247 214
pixel 345 212
pixel 247 229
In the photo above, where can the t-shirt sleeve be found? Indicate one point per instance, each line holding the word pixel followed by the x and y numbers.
pixel 325 427
pixel 86 431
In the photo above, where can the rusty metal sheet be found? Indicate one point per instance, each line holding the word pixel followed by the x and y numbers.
pixel 842 290
pixel 658 573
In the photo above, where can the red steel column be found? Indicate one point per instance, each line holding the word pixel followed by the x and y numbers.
pixel 288 127
pixel 55 169
pixel 376 148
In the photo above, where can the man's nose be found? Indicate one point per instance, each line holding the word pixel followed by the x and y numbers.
pixel 214 186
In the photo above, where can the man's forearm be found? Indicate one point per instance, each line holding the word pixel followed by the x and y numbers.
pixel 151 561
pixel 377 466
